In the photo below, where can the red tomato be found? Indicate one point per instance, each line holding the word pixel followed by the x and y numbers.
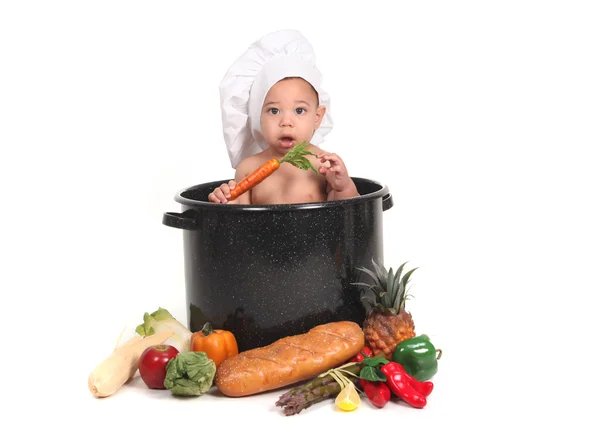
pixel 153 364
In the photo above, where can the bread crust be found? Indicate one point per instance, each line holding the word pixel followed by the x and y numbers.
pixel 290 359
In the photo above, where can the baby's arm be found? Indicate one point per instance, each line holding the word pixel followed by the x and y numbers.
pixel 339 183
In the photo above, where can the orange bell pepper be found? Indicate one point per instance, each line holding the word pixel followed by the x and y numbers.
pixel 217 344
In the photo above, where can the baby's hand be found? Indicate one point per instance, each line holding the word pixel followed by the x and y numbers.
pixel 335 171
pixel 222 193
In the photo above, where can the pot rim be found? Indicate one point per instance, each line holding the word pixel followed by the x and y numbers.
pixel 381 193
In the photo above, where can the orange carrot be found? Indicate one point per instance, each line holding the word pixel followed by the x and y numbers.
pixel 295 157
pixel 255 177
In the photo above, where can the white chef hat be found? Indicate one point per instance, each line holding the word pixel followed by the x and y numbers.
pixel 243 90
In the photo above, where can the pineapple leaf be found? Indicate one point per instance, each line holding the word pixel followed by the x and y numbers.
pixel 376 289
pixel 398 301
pixel 370 273
pixel 367 303
pixel 403 283
pixel 369 285
pixel 407 276
pixel 380 270
pixel 388 299
pixel 397 280
pixel 398 290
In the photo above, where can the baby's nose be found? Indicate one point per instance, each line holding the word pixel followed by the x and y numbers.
pixel 287 118
pixel 286 121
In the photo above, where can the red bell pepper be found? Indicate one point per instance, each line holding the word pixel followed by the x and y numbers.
pixel 378 392
pixel 405 386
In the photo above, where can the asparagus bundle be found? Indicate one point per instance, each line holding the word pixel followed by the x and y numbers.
pixel 327 385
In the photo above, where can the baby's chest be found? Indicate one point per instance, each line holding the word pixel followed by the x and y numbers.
pixel 290 189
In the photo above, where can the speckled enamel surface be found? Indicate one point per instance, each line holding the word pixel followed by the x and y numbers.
pixel 273 271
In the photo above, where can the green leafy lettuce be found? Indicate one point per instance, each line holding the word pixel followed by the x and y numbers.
pixel 190 374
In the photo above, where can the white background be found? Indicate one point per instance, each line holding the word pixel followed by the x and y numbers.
pixel 481 117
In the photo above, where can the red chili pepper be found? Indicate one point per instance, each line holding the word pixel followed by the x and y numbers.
pixel 366 352
pixel 402 385
pixel 377 391
pixel 423 387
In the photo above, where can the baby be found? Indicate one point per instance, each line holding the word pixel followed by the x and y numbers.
pixel 283 106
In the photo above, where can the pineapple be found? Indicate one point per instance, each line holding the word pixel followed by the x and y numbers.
pixel 387 322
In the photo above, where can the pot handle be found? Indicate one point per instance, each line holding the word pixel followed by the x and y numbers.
pixel 185 220
pixel 387 202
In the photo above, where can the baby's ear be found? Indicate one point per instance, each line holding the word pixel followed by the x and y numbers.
pixel 321 109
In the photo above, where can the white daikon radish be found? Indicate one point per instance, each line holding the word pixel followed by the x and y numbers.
pixel 120 366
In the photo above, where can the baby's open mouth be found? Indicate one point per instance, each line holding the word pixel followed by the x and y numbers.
pixel 286 142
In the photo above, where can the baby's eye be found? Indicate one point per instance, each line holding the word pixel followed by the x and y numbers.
pixel 273 111
pixel 300 110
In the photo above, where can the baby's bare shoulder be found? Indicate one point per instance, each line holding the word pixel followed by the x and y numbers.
pixel 248 165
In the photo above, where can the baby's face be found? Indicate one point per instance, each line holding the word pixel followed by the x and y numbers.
pixel 290 114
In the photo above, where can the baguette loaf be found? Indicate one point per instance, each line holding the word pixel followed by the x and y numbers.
pixel 290 359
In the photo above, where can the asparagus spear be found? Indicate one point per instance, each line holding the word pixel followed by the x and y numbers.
pixel 305 399
pixel 326 385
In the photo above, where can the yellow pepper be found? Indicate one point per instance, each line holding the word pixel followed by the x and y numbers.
pixel 217 344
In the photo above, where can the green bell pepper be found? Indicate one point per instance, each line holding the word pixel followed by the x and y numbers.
pixel 418 356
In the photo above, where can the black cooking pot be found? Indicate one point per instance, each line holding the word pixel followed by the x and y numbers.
pixel 268 271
